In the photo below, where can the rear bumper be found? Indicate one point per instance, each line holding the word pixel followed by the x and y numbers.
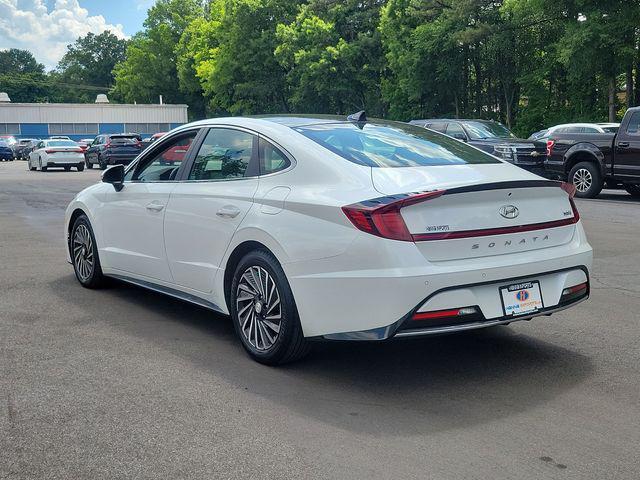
pixel 377 283
pixel 70 162
pixel 471 295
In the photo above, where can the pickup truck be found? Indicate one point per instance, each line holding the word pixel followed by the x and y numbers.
pixel 592 160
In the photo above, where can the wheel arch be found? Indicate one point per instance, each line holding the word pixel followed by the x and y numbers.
pixel 584 152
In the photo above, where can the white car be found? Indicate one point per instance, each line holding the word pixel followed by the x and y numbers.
pixel 308 228
pixel 56 154
pixel 577 128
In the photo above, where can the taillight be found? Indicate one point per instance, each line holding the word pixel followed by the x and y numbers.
pixel 571 191
pixel 381 216
pixel 550 144
pixel 78 150
pixel 455 312
pixel 50 151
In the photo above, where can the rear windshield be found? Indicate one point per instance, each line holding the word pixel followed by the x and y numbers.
pixel 610 129
pixel 61 143
pixel 123 140
pixel 393 145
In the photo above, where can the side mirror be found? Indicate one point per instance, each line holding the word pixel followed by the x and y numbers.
pixel 115 176
pixel 460 136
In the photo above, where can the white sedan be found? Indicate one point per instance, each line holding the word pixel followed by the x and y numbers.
pixel 328 228
pixel 55 153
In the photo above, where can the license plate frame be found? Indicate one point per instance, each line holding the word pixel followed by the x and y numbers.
pixel 512 305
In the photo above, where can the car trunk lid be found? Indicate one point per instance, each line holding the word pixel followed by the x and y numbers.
pixel 493 211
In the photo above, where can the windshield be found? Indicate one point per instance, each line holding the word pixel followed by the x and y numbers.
pixel 61 143
pixel 393 145
pixel 480 130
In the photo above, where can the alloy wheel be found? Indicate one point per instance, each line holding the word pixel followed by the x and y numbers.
pixel 582 180
pixel 83 252
pixel 259 308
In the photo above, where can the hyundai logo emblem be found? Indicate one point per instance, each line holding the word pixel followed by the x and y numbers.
pixel 509 211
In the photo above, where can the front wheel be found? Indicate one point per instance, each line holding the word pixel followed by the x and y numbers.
pixel 587 179
pixel 264 312
pixel 633 189
pixel 88 164
pixel 80 167
pixel 84 254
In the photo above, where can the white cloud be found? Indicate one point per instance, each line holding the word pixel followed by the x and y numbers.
pixel 30 25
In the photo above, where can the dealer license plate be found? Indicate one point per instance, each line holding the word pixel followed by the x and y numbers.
pixel 521 298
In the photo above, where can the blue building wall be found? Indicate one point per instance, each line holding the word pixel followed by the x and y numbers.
pixel 41 130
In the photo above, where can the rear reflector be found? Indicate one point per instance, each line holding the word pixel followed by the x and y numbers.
pixel 456 312
pixel 575 289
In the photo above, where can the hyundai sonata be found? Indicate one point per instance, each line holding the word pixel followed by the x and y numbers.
pixel 308 228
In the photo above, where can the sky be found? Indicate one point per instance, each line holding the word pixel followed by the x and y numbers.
pixel 46 27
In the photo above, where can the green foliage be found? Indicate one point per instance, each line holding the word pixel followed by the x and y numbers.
pixel 150 67
pixel 22 77
pixel 527 63
pixel 88 62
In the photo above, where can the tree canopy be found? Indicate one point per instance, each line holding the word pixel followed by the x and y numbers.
pixel 527 63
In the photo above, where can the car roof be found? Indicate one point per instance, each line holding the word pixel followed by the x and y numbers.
pixel 479 120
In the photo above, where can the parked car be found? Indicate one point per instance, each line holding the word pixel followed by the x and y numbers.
pixel 10 140
pixel 324 228
pixel 28 148
pixel 6 153
pixel 576 128
pixel 84 143
pixel 20 146
pixel 588 160
pixel 113 149
pixel 56 153
pixel 59 137
pixel 491 137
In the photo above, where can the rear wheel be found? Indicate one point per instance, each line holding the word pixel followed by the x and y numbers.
pixel 264 312
pixel 67 169
pixel 633 189
pixel 84 254
pixel 102 163
pixel 587 179
pixel 88 164
pixel 80 167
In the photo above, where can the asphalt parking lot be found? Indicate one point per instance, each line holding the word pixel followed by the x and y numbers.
pixel 124 383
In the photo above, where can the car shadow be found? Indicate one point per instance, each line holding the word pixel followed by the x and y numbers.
pixel 401 387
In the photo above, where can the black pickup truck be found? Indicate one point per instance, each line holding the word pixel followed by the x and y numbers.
pixel 592 160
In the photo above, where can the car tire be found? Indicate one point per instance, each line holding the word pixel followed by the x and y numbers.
pixel 42 168
pixel 88 164
pixel 80 167
pixel 633 189
pixel 260 288
pixel 67 169
pixel 587 179
pixel 84 254
pixel 102 163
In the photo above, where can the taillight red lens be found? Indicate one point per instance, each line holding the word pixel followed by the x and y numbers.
pixel 550 144
pixel 381 217
pixel 569 188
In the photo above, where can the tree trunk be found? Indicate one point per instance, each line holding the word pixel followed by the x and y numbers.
pixel 612 99
pixel 629 90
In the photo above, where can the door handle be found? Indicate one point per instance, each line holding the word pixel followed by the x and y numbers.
pixel 155 207
pixel 623 144
pixel 228 211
